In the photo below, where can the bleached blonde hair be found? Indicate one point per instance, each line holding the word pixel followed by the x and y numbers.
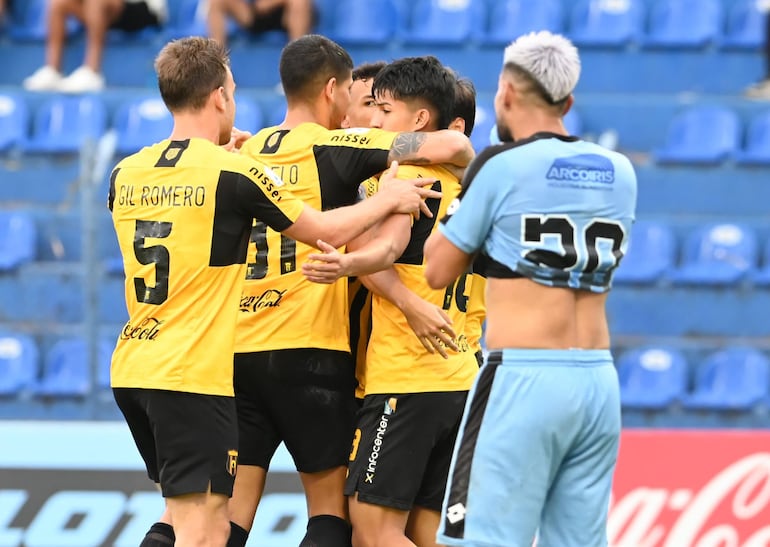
pixel 550 59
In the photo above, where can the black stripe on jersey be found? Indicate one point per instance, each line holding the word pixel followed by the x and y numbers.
pixel 341 169
pixel 273 141
pixel 457 501
pixel 486 266
pixel 491 151
pixel 413 254
pixel 111 194
pixel 361 304
pixel 172 153
pixel 238 202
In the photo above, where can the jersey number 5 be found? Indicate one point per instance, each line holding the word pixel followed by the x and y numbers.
pixel 153 254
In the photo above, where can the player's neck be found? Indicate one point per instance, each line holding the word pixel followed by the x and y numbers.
pixel 190 126
pixel 530 125
pixel 305 113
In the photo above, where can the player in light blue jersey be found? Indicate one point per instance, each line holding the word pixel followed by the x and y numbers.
pixel 548 217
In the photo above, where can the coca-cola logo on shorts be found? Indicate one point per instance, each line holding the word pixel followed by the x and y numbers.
pixel 691 489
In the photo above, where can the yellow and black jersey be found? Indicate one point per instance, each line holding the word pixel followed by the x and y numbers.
pixel 183 212
pixel 396 361
pixel 280 309
pixel 475 291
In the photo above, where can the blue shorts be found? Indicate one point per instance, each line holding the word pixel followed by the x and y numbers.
pixel 536 452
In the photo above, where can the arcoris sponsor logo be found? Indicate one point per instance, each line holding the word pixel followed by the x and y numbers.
pixel 589 168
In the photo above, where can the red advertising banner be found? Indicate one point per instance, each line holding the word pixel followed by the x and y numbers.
pixel 704 488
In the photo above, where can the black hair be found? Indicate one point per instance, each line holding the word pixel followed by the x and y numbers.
pixel 420 78
pixel 310 61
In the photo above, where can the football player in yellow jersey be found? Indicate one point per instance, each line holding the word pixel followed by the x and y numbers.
pixel 414 397
pixel 465 117
pixel 362 104
pixel 293 372
pixel 182 211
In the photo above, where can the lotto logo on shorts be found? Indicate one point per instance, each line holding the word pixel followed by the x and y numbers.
pixel 455 513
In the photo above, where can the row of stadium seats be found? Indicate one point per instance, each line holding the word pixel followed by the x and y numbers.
pixel 61 123
pixel 651 378
pixel 603 23
pixel 712 254
pixel 64 371
pixel 701 134
pixel 659 377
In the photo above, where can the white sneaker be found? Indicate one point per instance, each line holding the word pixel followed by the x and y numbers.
pixel 82 80
pixel 45 78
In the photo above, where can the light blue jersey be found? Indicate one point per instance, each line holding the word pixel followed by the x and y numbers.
pixel 539 438
pixel 554 209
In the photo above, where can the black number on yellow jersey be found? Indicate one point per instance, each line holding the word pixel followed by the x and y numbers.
pixel 458 289
pixel 153 254
pixel 258 268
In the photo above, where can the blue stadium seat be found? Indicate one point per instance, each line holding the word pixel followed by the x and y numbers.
pixel 509 19
pixel 14 121
pixel 718 255
pixel 248 115
pixel 29 21
pixel 19 363
pixel 485 120
pixel 606 23
pixel 756 151
pixel 652 377
pixel 18 239
pixel 363 23
pixel 678 24
pixel 444 22
pixel 735 378
pixel 651 254
pixel 701 135
pixel 66 373
pixel 62 123
pixel 141 122
pixel 185 18
pixel 745 26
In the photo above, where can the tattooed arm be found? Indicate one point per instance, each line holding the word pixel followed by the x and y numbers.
pixel 445 146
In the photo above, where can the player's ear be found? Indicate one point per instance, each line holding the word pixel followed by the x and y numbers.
pixel 568 105
pixel 330 88
pixel 422 119
pixel 220 98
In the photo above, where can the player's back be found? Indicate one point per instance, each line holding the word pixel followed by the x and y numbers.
pixel 182 211
pixel 396 361
pixel 560 224
pixel 280 309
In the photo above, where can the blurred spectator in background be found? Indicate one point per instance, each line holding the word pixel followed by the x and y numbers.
pixel 98 16
pixel 362 103
pixel 256 16
pixel 761 89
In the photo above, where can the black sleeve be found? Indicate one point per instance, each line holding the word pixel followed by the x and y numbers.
pixel 342 168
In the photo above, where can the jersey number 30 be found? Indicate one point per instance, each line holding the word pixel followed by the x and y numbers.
pixel 537 227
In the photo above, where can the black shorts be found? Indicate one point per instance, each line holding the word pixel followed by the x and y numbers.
pixel 135 16
pixel 270 21
pixel 188 440
pixel 303 397
pixel 402 449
